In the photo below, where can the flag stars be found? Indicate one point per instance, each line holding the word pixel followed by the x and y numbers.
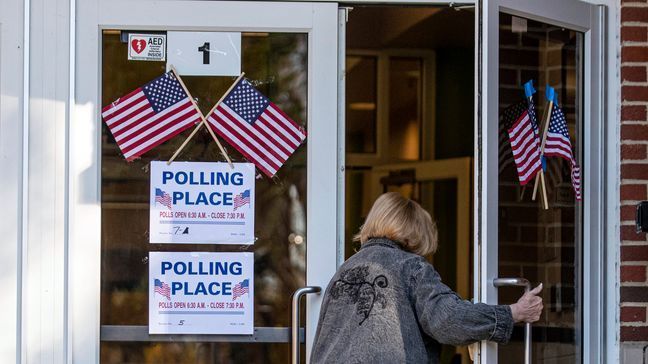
pixel 164 92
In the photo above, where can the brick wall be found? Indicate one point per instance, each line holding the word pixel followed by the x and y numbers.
pixel 634 168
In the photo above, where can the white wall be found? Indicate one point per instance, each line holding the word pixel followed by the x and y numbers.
pixel 11 80
pixel 44 284
pixel 33 192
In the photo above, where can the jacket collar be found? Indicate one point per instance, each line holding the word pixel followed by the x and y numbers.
pixel 381 241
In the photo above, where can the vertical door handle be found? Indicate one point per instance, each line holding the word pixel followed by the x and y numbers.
pixel 519 282
pixel 294 338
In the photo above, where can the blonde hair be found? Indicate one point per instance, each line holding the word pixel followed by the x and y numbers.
pixel 402 220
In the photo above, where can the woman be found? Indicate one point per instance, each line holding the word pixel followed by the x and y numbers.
pixel 387 304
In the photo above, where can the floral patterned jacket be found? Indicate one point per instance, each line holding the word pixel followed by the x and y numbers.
pixel 386 305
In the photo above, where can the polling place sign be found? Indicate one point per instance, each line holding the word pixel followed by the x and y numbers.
pixel 201 203
pixel 201 293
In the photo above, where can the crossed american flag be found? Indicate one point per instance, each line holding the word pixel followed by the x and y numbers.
pixel 245 118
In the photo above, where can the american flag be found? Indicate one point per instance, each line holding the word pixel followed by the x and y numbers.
pixel 163 289
pixel 150 115
pixel 241 288
pixel 242 199
pixel 256 127
pixel 509 116
pixel 559 145
pixel 163 198
pixel 525 147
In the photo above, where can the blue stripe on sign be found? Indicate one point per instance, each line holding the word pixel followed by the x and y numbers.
pixel 203 222
pixel 201 312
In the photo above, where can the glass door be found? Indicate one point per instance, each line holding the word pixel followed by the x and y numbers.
pixel 551 240
pixel 287 52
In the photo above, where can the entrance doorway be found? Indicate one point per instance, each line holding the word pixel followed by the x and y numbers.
pixel 410 126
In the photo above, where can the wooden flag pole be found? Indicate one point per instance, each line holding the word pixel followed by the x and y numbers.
pixel 202 117
pixel 203 120
pixel 186 141
pixel 212 110
pixel 541 178
pixel 537 177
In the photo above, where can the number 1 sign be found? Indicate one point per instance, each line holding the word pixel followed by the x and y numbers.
pixel 204 53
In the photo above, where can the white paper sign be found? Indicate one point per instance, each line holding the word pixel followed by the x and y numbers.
pixel 201 293
pixel 202 203
pixel 205 53
pixel 147 47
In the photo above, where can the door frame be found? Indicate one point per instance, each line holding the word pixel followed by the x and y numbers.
pixel 590 20
pixel 318 20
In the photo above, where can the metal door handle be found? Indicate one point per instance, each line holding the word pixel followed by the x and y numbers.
pixel 519 282
pixel 294 339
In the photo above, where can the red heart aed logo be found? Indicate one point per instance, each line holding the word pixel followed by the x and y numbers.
pixel 138 45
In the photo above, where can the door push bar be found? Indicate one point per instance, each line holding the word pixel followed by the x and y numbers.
pixel 519 282
pixel 294 338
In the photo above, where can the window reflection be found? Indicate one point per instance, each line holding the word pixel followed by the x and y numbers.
pixel 361 106
pixel 405 98
pixel 277 65
pixel 542 245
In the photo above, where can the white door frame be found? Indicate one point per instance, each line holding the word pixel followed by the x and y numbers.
pixel 14 142
pixel 588 19
pixel 319 20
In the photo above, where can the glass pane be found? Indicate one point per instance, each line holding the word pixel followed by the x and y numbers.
pixel 405 98
pixel 425 114
pixel 276 63
pixel 361 106
pixel 542 245
pixel 193 353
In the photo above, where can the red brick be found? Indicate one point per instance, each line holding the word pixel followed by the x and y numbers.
pixel 633 192
pixel 634 294
pixel 633 151
pixel 634 132
pixel 633 73
pixel 633 314
pixel 634 253
pixel 633 113
pixel 634 34
pixel 634 333
pixel 628 213
pixel 634 14
pixel 634 1
pixel 634 171
pixel 634 54
pixel 629 233
pixel 633 273
pixel 634 93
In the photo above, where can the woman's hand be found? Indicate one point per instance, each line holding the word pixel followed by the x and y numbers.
pixel 529 307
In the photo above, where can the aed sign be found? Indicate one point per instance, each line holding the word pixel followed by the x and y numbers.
pixel 147 47
pixel 201 203
pixel 201 293
pixel 205 53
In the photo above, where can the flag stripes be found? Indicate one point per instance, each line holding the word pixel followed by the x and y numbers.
pixel 256 127
pixel 525 148
pixel 558 144
pixel 150 115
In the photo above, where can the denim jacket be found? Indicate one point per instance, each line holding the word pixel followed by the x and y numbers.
pixel 386 305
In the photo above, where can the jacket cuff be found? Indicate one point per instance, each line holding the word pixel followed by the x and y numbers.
pixel 503 324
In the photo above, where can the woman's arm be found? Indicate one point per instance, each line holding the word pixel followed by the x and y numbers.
pixel 450 320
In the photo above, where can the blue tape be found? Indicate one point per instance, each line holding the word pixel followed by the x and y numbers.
pixel 555 99
pixel 550 93
pixel 528 89
pixel 544 163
